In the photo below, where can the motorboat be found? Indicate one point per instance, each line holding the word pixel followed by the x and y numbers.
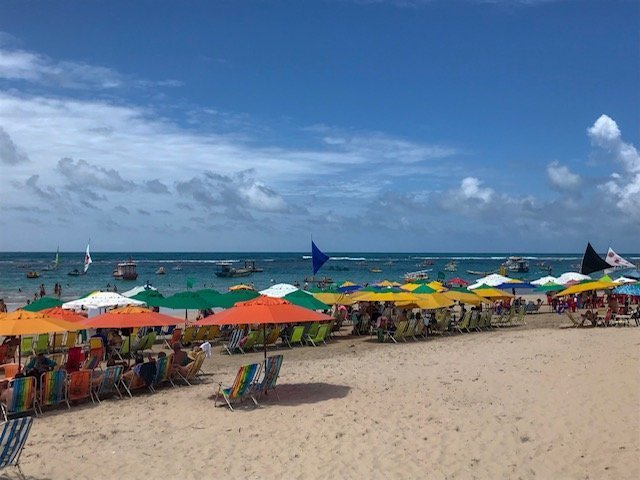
pixel 452 266
pixel 516 264
pixel 126 271
pixel 251 265
pixel 417 276
pixel 33 274
pixel 227 270
pixel 160 271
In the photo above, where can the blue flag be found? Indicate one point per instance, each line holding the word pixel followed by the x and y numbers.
pixel 318 257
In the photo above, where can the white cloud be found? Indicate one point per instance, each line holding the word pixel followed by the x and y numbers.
pixel 561 177
pixel 471 189
pixel 9 152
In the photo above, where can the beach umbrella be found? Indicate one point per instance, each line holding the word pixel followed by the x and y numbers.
pixel 100 300
pixel 571 277
pixel 42 304
pixel 492 280
pixel 152 298
pixel 129 317
pixel 279 290
pixel 428 301
pixel 493 293
pixel 629 289
pixel 334 298
pixel 23 322
pixel 550 287
pixel 437 286
pixel 306 300
pixel 585 287
pixel 263 310
pixel 458 281
pixel 188 300
pixel 229 299
pixel 515 284
pixel 241 286
pixel 348 287
pixel 385 283
pixel 422 289
pixel 139 289
pixel 410 286
pixel 464 296
pixel 66 315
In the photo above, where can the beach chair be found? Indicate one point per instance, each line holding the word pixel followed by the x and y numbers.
pixel 93 359
pixel 576 323
pixel 250 341
pixel 163 370
pixel 201 334
pixel 420 330
pixel 233 343
pixel 53 389
pixel 411 327
pixel 188 335
pixel 259 341
pixel 74 359
pixel 12 439
pixel 22 397
pixel 463 324
pixel 271 372
pixel 296 336
pixel 95 342
pixel 138 345
pixel 320 336
pixel 194 368
pixel 273 336
pixel 311 330
pixel 10 370
pixel 41 345
pixel 26 345
pixel 398 333
pixel 149 342
pixel 242 386
pixel 57 342
pixel 58 358
pixel 214 333
pixel 473 322
pixel 70 340
pixel 176 335
pixel 123 350
pixel 111 378
pixel 79 385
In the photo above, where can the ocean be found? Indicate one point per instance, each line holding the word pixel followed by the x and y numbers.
pixel 200 268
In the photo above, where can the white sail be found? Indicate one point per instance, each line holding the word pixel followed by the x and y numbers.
pixel 87 259
pixel 617 261
pixel 57 260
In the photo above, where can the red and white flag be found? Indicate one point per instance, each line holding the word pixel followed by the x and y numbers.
pixel 616 260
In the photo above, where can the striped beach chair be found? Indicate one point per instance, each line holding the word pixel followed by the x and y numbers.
pixel 242 386
pixel 234 342
pixel 79 385
pixel 22 398
pixel 271 372
pixel 109 383
pixel 163 370
pixel 53 389
pixel 12 439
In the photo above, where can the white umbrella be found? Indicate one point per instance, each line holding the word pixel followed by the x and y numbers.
pixel 279 290
pixel 543 280
pixel 100 300
pixel 136 290
pixel 623 280
pixel 492 280
pixel 571 277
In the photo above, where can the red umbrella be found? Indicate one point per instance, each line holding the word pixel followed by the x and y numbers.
pixel 263 310
pixel 67 315
pixel 458 281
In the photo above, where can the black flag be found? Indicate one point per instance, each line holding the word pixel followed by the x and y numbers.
pixel 592 262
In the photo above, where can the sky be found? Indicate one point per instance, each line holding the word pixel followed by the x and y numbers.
pixel 371 125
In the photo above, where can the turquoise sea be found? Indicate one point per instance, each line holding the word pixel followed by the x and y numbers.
pixel 291 267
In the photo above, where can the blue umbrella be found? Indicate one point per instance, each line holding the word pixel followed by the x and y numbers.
pixel 632 289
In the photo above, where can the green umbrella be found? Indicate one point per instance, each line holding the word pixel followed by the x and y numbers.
pixel 550 287
pixel 208 293
pixel 42 304
pixel 306 300
pixel 187 300
pixel 153 298
pixel 229 299
pixel 423 289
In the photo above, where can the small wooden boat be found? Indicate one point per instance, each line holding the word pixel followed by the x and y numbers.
pixel 160 271
pixel 375 270
pixel 33 274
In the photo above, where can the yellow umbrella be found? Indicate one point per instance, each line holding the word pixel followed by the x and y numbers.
pixel 409 287
pixel 348 284
pixel 489 292
pixel 427 301
pixel 383 296
pixel 241 286
pixel 585 287
pixel 465 297
pixel 332 298
pixel 385 283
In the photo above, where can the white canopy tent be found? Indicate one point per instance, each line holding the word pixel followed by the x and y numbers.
pixel 492 280
pixel 279 290
pixel 571 277
pixel 100 300
pixel 544 280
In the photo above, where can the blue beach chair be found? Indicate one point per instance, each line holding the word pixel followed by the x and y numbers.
pixel 12 439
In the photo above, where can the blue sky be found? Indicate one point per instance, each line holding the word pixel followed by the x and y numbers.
pixel 373 125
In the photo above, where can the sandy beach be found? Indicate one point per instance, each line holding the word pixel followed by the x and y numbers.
pixel 538 401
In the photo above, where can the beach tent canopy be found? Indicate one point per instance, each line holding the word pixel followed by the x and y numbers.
pixel 127 317
pixel 544 280
pixel 571 277
pixel 492 280
pixel 139 289
pixel 100 300
pixel 279 290
pixel 42 304
pixel 629 289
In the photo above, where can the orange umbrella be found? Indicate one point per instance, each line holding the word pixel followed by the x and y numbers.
pixel 263 310
pixel 127 317
pixel 62 314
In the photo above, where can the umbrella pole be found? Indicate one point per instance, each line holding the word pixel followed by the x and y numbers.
pixel 264 334
pixel 19 353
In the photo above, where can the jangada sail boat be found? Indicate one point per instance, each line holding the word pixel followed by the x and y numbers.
pixel 87 261
pixel 55 264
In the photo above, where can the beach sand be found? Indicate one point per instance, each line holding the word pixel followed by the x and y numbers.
pixel 529 402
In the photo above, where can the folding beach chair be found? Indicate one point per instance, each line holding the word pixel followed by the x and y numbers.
pixel 124 350
pixel 242 385
pixel 233 343
pixel 70 340
pixel 271 372
pixel 320 336
pixel 22 398
pixel 95 342
pixel 74 359
pixel 411 328
pixel 26 344
pixel 188 335
pixel 420 330
pixel 473 322
pixel 57 342
pixel 250 341
pixel 463 324
pixel 259 340
pixel 79 385
pixel 214 333
pixel 176 335
pixel 194 368
pixel 150 341
pixel 53 389
pixel 163 369
pixel 296 336
pixel 273 336
pixel 398 333
pixel 12 439
pixel 201 334
pixel 93 359
pixel 108 385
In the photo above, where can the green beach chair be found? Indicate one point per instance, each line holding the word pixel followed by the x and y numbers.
pixel 250 341
pixel 273 336
pixel 259 341
pixel 243 385
pixel 463 324
pixel 411 328
pixel 26 345
pixel 398 333
pixel 187 336
pixel 271 372
pixel 53 389
pixel 296 336
pixel 473 322
pixel 22 398
pixel 150 341
pixel 320 336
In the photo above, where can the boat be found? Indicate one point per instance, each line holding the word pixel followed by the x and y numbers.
pixel 226 270
pixel 452 266
pixel 479 273
pixel 516 264
pixel 425 263
pixel 160 271
pixel 55 264
pixel 87 261
pixel 251 265
pixel 177 267
pixel 33 274
pixel 126 271
pixel 375 270
pixel 416 276
pixel 319 281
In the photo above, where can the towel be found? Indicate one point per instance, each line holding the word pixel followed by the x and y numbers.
pixel 206 348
